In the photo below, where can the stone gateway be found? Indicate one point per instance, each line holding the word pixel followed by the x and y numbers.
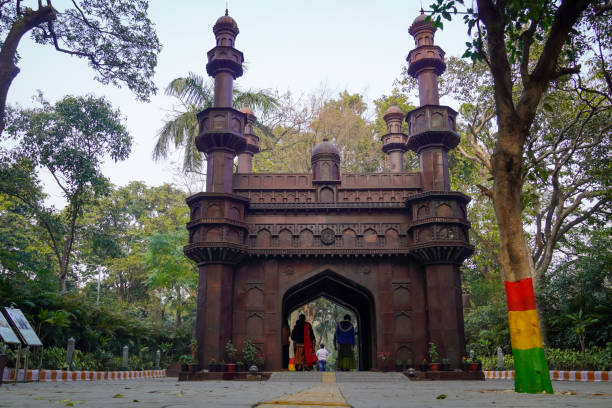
pixel 387 245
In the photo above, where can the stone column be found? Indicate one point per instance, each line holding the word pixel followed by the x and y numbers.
pixel 215 310
pixel 445 311
pixel 216 243
pixel 439 226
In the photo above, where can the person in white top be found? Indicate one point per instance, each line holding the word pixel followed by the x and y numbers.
pixel 322 355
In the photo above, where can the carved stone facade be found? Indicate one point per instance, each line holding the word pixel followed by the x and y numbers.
pixel 386 245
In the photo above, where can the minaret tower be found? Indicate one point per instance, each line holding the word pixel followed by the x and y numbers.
pixel 221 126
pixel 432 129
pixel 394 142
pixel 439 227
pixel 216 228
pixel 245 157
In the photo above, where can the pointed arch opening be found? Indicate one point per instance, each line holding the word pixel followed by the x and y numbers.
pixel 347 293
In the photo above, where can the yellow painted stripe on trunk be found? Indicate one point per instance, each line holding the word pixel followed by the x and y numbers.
pixel 524 329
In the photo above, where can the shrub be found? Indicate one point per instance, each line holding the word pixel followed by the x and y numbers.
pixel 595 358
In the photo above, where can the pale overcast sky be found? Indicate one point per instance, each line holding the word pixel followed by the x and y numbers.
pixel 358 45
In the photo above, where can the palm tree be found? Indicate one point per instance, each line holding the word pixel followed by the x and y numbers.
pixel 195 95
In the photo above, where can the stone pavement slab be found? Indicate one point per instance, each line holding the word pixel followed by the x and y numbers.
pixel 152 393
pixel 359 390
pixel 472 394
pixel 325 394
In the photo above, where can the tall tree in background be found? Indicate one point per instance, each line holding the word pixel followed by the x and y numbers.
pixel 507 32
pixel 399 99
pixel 342 120
pixel 116 236
pixel 170 271
pixel 70 140
pixel 116 38
pixel 288 135
pixel 195 95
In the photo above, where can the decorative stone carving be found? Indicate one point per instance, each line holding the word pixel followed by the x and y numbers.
pixel 328 236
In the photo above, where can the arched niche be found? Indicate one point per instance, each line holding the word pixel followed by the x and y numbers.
pixel 232 235
pixel 284 238
pixel 404 353
pixel 444 210
pixel 214 234
pixel 263 239
pixel 213 211
pixel 325 171
pixel 255 298
pixel 349 238
pixel 391 238
pixel 306 239
pixel 326 195
pixel 255 325
pixel 400 297
pixel 370 238
pixel 402 325
pixel 234 213
pixel 423 212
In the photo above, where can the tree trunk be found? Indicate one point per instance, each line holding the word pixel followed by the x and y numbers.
pixel 8 69
pixel 177 321
pixel 531 368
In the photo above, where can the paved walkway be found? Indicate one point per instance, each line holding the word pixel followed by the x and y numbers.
pixel 359 390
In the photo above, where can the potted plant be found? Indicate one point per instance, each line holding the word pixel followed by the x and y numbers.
pixel 399 366
pixel 445 366
pixel 249 353
pixel 474 364
pixel 464 363
pixel 222 366
pixel 408 363
pixel 212 365
pixel 424 365
pixel 193 365
pixel 259 362
pixel 239 366
pixel 434 362
pixel 230 350
pixel 184 361
pixel 384 356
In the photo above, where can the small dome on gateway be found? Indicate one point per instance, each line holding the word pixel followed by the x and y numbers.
pixel 325 147
pixel 393 109
pixel 420 18
pixel 247 110
pixel 226 22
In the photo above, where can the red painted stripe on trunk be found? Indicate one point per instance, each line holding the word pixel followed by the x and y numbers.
pixel 520 295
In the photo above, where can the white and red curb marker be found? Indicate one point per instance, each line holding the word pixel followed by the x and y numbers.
pixel 60 375
pixel 558 375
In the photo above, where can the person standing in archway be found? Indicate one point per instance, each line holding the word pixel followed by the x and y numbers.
pixel 344 339
pixel 285 335
pixel 303 344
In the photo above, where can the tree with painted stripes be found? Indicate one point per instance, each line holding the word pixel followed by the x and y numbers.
pixel 544 40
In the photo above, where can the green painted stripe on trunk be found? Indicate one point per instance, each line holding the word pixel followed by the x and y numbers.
pixel 531 373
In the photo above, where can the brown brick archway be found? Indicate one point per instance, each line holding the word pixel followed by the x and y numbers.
pixel 345 292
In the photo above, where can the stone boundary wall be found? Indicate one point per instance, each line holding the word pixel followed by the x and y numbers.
pixel 558 375
pixel 60 375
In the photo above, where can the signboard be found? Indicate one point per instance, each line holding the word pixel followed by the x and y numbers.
pixel 22 327
pixel 7 334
